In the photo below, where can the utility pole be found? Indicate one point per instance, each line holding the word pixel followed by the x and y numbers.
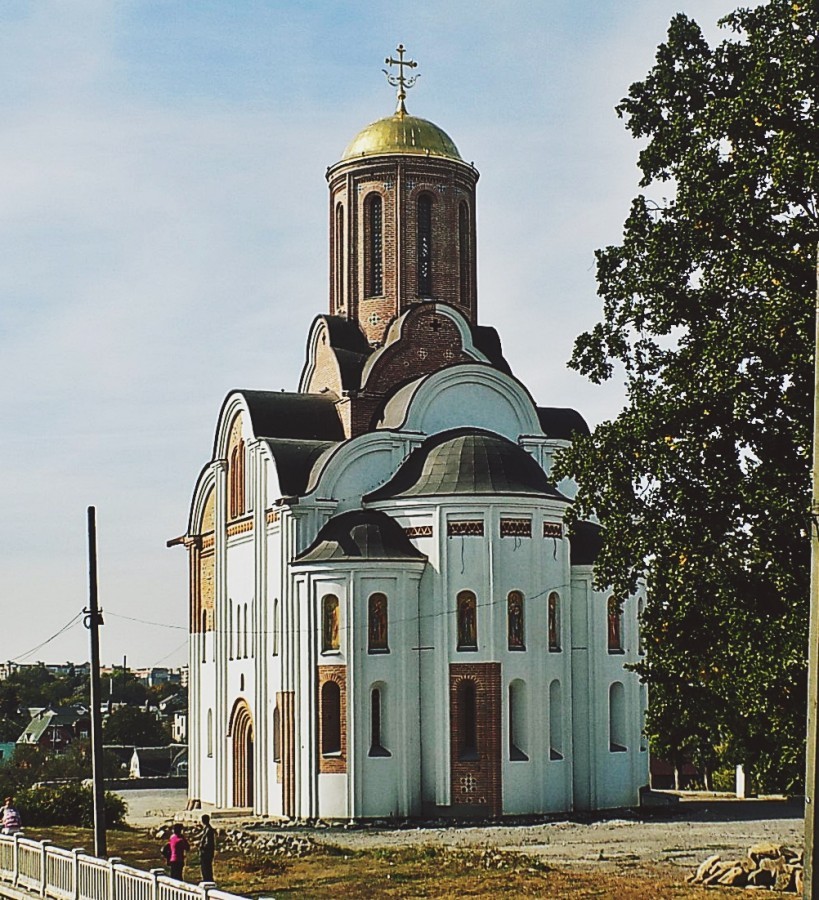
pixel 93 620
pixel 811 883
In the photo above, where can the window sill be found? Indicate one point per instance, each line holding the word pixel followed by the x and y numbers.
pixel 379 651
pixel 616 651
pixel 336 754
pixel 467 649
pixel 379 752
pixel 516 755
pixel 331 652
pixel 516 649
pixel 617 748
pixel 555 649
pixel 555 755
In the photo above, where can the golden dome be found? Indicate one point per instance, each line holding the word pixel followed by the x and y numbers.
pixel 401 133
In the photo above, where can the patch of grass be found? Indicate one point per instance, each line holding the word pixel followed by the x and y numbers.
pixel 425 871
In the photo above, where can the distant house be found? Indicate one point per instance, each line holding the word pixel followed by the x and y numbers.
pixel 179 727
pixel 55 727
pixel 159 762
pixel 6 752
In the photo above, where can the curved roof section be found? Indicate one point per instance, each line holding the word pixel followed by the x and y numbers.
pixel 360 534
pixel 468 461
pixel 401 133
pixel 561 424
pixel 281 414
pixel 585 541
pixel 294 461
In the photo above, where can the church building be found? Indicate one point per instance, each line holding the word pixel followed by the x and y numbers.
pixel 388 614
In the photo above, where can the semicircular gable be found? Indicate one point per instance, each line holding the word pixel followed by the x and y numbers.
pixel 470 395
pixel 408 340
pixel 234 413
pixel 356 467
pixel 201 517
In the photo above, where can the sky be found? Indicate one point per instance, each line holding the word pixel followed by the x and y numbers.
pixel 163 240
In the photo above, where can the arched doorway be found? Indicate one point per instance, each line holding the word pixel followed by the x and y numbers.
pixel 241 731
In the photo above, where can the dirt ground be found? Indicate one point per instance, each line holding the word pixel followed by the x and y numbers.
pixel 672 839
pixel 677 838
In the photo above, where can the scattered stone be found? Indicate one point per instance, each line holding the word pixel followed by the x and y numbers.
pixel 767 867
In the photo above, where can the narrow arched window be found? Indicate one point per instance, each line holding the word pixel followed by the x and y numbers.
pixel 276 626
pixel 615 625
pixel 467 721
pixel 467 621
pixel 515 625
pixel 230 629
pixel 339 257
pixel 554 623
pixel 204 635
pixel 555 721
pixel 424 245
pixel 377 624
pixel 617 718
pixel 517 721
pixel 643 712
pixel 210 733
pixel 329 623
pixel 464 255
pixel 277 734
pixel 374 244
pixel 377 747
pixel 330 718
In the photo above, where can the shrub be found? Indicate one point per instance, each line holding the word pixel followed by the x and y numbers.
pixel 67 804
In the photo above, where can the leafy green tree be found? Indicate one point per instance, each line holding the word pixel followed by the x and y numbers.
pixel 131 725
pixel 702 482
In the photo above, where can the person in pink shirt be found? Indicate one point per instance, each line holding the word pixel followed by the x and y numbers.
pixel 179 846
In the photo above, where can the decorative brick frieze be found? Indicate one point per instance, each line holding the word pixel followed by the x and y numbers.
pixel 418 531
pixel 465 528
pixel 207 541
pixel 241 527
pixel 272 516
pixel 515 527
pixel 552 530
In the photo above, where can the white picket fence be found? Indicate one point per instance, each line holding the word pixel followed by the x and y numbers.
pixel 40 869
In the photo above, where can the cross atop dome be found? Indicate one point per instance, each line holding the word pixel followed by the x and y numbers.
pixel 401 81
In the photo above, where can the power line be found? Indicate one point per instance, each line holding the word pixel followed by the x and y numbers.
pixel 146 622
pixel 65 628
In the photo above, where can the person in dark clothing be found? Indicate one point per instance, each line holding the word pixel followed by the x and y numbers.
pixel 207 848
pixel 179 846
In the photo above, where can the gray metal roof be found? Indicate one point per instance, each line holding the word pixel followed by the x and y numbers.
pixel 294 462
pixel 281 414
pixel 467 461
pixel 561 423
pixel 585 541
pixel 357 535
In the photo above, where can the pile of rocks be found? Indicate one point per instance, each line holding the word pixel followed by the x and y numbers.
pixel 769 866
pixel 268 844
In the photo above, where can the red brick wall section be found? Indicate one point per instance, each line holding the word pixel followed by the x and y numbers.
pixel 334 763
pixel 477 782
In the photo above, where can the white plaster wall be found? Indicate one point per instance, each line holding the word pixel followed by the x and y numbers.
pixel 332 796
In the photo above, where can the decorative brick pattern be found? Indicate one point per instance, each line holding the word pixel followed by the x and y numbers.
pixel 418 531
pixel 477 782
pixel 465 528
pixel 335 763
pixel 272 516
pixel 515 527
pixel 241 527
pixel 207 542
pixel 552 530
